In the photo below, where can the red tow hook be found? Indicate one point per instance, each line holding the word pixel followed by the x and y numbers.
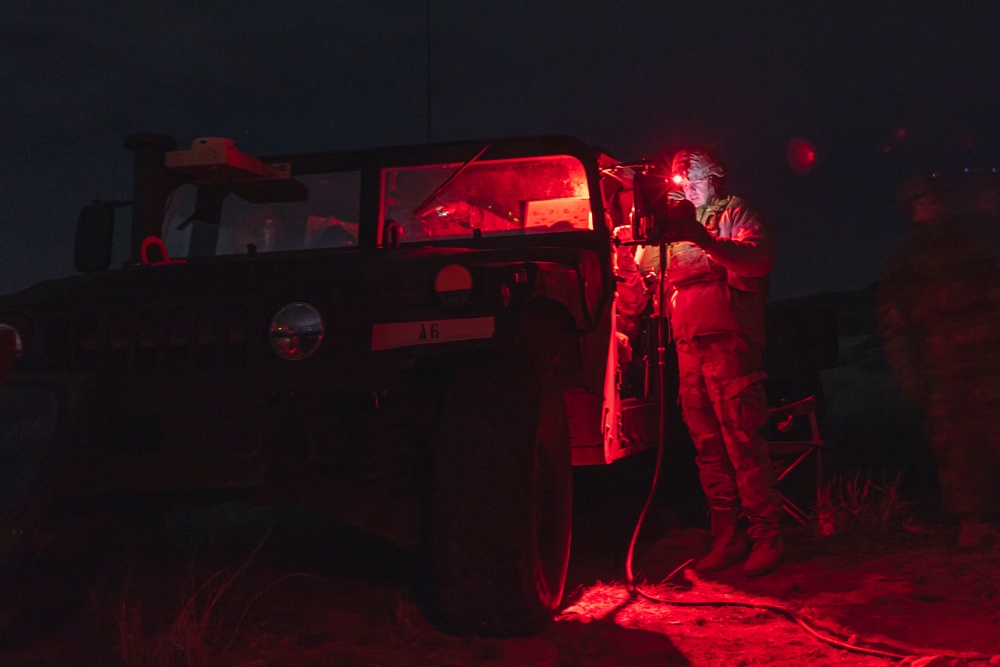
pixel 157 242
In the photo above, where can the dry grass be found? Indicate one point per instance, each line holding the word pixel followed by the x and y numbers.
pixel 202 632
pixel 858 503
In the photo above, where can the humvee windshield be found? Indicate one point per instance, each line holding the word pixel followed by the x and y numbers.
pixel 500 197
pixel 327 218
pixel 428 202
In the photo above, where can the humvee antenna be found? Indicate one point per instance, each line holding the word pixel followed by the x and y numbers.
pixel 427 37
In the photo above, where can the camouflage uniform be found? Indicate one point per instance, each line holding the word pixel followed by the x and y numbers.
pixel 716 300
pixel 939 319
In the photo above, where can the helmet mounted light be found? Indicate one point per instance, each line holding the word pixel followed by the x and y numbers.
pixel 695 165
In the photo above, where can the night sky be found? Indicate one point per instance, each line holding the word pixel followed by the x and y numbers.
pixel 878 89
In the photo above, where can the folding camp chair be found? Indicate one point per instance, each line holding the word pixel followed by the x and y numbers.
pixel 793 436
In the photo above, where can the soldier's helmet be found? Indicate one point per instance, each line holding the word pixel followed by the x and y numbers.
pixel 696 164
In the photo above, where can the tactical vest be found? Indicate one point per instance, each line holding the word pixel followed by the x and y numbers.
pixel 706 297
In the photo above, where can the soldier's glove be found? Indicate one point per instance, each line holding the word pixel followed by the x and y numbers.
pixel 676 222
pixel 623 252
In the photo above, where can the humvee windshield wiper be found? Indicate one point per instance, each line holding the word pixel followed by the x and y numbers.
pixel 424 206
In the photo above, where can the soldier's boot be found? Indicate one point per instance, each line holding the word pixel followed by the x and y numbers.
pixel 729 544
pixel 765 556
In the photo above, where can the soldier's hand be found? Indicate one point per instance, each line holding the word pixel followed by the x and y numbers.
pixel 622 234
pixel 681 224
pixel 624 257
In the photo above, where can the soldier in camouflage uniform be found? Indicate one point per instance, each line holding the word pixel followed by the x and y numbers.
pixel 939 319
pixel 633 295
pixel 716 291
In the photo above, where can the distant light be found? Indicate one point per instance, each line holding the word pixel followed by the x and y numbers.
pixel 900 132
pixel 801 155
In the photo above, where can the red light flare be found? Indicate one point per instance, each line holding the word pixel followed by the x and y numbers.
pixel 801 155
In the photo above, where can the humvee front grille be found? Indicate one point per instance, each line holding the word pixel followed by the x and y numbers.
pixel 181 341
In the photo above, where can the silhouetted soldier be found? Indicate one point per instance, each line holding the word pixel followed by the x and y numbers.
pixel 939 319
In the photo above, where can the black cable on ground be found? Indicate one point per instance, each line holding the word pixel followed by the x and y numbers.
pixel 775 609
pixel 633 586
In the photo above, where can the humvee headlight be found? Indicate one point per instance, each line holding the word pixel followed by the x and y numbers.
pixel 296 331
pixel 453 285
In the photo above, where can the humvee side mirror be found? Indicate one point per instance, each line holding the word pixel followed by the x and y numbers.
pixel 94 237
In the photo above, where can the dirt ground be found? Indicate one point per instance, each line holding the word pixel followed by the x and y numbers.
pixel 221 593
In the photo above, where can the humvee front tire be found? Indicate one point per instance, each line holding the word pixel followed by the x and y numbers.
pixel 502 498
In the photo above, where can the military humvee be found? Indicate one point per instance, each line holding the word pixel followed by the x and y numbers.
pixel 419 340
